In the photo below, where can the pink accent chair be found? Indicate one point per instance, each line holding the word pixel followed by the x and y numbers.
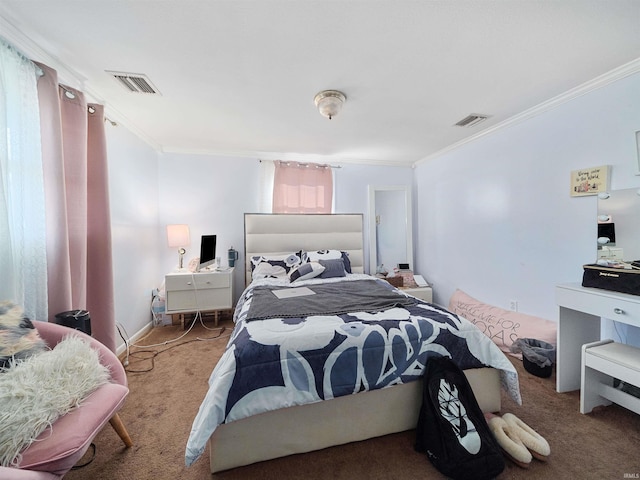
pixel 56 451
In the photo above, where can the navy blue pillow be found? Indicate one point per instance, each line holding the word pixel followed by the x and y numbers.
pixel 347 262
pixel 333 268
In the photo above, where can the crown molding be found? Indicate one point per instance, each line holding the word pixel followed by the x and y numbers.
pixel 288 156
pixel 30 49
pixel 71 77
pixel 608 78
pixel 66 75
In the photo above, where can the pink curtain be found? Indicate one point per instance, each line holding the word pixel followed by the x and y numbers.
pixel 302 188
pixel 80 272
pixel 58 262
pixel 73 112
pixel 100 301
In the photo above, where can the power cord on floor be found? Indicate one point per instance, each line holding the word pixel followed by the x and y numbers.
pixel 150 355
pixel 91 459
pixel 120 327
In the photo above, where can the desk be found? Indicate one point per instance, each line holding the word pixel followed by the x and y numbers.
pixel 581 312
pixel 202 291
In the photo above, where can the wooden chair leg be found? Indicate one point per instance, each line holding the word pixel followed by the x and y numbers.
pixel 120 429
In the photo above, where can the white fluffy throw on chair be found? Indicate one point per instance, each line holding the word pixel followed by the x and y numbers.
pixel 36 391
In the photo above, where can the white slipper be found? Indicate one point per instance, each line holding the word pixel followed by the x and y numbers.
pixel 510 442
pixel 531 439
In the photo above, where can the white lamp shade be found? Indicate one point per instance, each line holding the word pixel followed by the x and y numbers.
pixel 178 235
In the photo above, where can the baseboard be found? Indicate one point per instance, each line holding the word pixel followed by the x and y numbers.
pixel 121 349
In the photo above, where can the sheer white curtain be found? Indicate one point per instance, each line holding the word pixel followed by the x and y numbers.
pixel 267 168
pixel 23 260
pixel 54 197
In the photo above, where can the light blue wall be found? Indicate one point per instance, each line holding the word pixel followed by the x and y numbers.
pixel 211 195
pixel 133 180
pixel 352 191
pixel 495 217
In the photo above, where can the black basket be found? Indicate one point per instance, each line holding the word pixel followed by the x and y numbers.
pixel 538 357
pixel 76 319
pixel 534 369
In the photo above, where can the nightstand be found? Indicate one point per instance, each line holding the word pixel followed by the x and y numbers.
pixel 423 293
pixel 206 291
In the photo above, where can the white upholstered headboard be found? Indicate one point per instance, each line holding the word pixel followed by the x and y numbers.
pixel 286 233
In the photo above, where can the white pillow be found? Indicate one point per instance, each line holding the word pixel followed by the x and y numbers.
pixel 316 256
pixel 274 266
pixel 306 271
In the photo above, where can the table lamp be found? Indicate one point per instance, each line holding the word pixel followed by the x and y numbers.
pixel 178 236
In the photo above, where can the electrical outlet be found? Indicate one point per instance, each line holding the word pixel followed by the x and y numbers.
pixel 513 305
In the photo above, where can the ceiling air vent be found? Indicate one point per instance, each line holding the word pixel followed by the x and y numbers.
pixel 471 120
pixel 135 82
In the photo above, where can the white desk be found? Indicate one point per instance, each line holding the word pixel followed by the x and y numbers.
pixel 581 312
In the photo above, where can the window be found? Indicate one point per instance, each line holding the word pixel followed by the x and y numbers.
pixel 302 188
pixel 23 256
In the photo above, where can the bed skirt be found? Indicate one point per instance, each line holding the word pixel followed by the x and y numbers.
pixel 333 422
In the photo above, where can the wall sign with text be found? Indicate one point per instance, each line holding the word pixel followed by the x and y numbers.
pixel 589 181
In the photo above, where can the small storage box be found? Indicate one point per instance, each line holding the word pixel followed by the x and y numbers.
pixel 614 279
pixel 395 281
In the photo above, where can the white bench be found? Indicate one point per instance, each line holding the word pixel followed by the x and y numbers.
pixel 602 362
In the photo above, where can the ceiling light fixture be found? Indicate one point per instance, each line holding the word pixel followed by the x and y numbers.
pixel 329 102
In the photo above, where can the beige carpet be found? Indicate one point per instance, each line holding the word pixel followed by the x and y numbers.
pixel 168 384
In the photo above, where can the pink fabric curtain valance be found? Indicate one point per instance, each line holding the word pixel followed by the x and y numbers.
pixel 302 188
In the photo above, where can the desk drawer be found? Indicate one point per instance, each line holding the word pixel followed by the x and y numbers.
pixel 201 280
pixel 602 303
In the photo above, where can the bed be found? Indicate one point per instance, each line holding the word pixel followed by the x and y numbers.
pixel 312 390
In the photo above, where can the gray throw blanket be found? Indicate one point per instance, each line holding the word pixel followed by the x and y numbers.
pixel 329 299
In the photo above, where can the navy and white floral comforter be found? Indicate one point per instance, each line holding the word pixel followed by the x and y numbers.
pixel 281 362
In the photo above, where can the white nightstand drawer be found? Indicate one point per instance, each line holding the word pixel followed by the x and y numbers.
pixel 202 291
pixel 192 300
pixel 200 280
pixel 423 293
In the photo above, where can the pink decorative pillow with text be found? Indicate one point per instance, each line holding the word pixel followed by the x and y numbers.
pixel 502 326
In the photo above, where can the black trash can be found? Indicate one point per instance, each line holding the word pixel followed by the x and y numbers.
pixel 77 319
pixel 538 357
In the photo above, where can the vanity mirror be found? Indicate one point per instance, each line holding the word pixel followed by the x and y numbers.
pixel 390 227
pixel 619 224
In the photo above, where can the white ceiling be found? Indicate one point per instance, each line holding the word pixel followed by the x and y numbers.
pixel 238 77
